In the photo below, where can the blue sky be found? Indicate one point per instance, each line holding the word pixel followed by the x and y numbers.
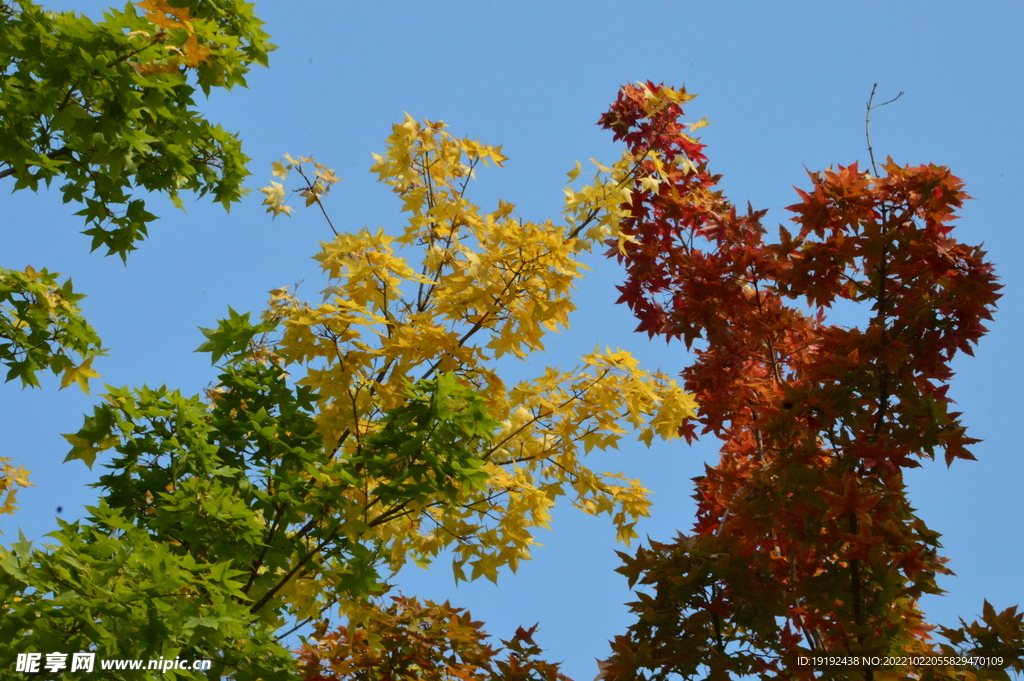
pixel 785 85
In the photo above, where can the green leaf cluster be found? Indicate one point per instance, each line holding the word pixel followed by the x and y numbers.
pixel 108 107
pixel 41 327
pixel 233 337
pixel 111 588
pixel 224 520
pixel 426 447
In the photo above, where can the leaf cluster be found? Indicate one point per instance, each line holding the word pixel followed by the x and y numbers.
pixel 343 440
pixel 486 285
pixel 236 488
pixel 805 538
pixel 108 107
pixel 11 479
pixel 409 641
pixel 112 588
pixel 41 327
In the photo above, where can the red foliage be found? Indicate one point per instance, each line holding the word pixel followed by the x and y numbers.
pixel 804 536
pixel 407 641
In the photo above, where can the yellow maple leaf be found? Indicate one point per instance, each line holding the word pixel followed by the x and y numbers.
pixel 79 374
pixel 195 54
pixel 574 173
pixel 157 11
pixel 151 67
pixel 704 122
pixel 275 199
pixel 11 478
pixel 279 169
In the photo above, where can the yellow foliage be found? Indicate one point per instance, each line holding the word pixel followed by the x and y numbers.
pixel 482 285
pixel 11 479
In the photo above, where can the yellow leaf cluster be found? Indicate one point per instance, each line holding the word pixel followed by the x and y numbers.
pixel 454 291
pixel 179 35
pixel 11 479
pixel 596 210
pixel 315 188
pixel 275 199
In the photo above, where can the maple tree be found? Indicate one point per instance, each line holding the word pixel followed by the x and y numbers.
pixel 804 537
pixel 107 109
pixel 347 438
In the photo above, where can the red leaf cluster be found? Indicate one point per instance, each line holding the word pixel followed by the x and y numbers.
pixel 804 539
pixel 410 641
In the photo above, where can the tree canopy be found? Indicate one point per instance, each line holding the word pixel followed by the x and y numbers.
pixel 107 109
pixel 347 438
pixel 376 427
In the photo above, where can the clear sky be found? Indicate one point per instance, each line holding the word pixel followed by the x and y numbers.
pixel 785 85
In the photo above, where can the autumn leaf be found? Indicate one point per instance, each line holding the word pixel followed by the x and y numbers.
pixel 703 122
pixel 79 374
pixel 195 54
pixel 157 11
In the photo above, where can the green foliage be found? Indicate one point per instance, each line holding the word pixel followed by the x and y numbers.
pixel 108 107
pixel 232 336
pixel 110 587
pixel 41 327
pixel 427 443
pixel 223 520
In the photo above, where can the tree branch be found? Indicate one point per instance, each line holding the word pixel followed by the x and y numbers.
pixel 867 123
pixel 63 151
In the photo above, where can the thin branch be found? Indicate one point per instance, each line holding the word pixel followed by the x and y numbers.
pixel 310 187
pixel 258 561
pixel 63 151
pixel 867 123
pixel 469 175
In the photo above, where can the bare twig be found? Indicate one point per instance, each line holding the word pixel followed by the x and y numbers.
pixel 867 123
